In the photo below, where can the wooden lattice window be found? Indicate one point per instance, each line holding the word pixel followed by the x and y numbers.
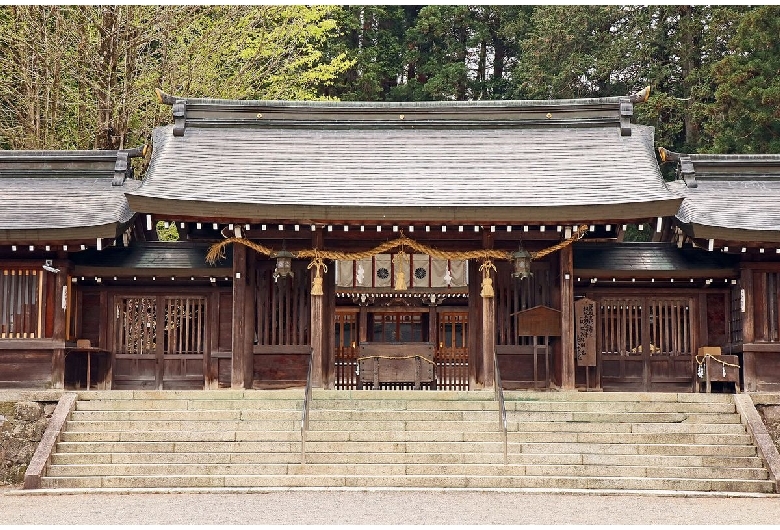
pixel 399 327
pixel 735 320
pixel 182 320
pixel 772 314
pixel 137 325
pixel 20 304
pixel 621 326
pixel 185 320
pixel 670 326
pixel 628 325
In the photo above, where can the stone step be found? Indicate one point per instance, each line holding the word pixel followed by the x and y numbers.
pixel 390 431
pixel 634 417
pixel 279 425
pixel 258 457
pixel 613 397
pixel 247 438
pixel 423 446
pixel 497 469
pixel 195 395
pixel 184 415
pixel 190 404
pixel 627 407
pixel 563 426
pixel 665 449
pixel 529 406
pixel 178 425
pixel 537 418
pixel 631 438
pixel 412 481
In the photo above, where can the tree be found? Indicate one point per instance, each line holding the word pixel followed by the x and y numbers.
pixel 746 111
pixel 569 52
pixel 84 76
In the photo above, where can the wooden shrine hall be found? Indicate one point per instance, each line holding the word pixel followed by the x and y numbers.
pixel 435 245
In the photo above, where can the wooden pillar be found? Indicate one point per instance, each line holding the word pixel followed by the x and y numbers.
pixel 567 317
pixel 210 366
pixel 318 335
pixel 488 340
pixel 475 326
pixel 60 309
pixel 748 330
pixel 362 325
pixel 433 323
pixel 249 318
pixel 748 316
pixel 106 333
pixel 488 321
pixel 329 337
pixel 237 376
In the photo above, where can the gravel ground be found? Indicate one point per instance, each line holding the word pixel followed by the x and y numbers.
pixel 384 507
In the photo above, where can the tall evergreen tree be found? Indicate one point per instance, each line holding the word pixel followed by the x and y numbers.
pixel 746 110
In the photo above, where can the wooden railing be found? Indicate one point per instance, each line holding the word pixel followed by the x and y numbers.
pixel 305 411
pixel 501 404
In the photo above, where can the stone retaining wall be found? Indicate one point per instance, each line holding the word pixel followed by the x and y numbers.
pixel 23 420
pixel 768 407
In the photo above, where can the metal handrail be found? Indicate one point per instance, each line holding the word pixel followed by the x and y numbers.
pixel 501 405
pixel 306 407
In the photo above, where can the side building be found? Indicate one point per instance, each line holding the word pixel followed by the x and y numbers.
pixel 731 208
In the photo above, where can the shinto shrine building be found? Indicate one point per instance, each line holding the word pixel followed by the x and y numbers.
pixel 391 244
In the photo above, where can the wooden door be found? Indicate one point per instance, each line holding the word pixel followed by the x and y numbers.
pixel 346 341
pixel 452 352
pixel 159 342
pixel 645 343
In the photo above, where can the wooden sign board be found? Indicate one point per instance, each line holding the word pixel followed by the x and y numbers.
pixel 539 321
pixel 585 332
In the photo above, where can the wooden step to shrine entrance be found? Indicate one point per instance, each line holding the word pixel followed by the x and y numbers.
pixel 407 439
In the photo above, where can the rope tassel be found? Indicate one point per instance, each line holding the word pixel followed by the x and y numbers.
pixel 319 267
pixel 487 281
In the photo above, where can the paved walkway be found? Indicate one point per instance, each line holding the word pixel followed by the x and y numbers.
pixel 383 507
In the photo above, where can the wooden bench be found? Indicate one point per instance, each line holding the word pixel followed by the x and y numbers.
pixel 401 363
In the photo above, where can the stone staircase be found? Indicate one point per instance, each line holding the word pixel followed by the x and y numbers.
pixel 405 439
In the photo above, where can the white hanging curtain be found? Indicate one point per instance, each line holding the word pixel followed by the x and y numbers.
pixel 383 269
pixel 421 270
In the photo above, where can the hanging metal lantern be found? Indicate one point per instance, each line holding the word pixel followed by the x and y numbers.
pixel 283 264
pixel 522 263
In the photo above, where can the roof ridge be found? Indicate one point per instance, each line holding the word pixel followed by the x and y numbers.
pixel 560 112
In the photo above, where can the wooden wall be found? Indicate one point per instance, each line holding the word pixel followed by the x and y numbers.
pixel 521 364
pixel 282 328
pixel 760 349
pixel 25 367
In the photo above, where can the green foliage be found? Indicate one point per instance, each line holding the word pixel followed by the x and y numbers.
pixel 169 233
pixel 569 52
pixel 83 77
pixel 746 112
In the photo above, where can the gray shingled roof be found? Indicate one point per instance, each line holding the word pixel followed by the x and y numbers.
pixel 149 259
pixel 444 168
pixel 652 260
pixel 730 197
pixel 50 196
